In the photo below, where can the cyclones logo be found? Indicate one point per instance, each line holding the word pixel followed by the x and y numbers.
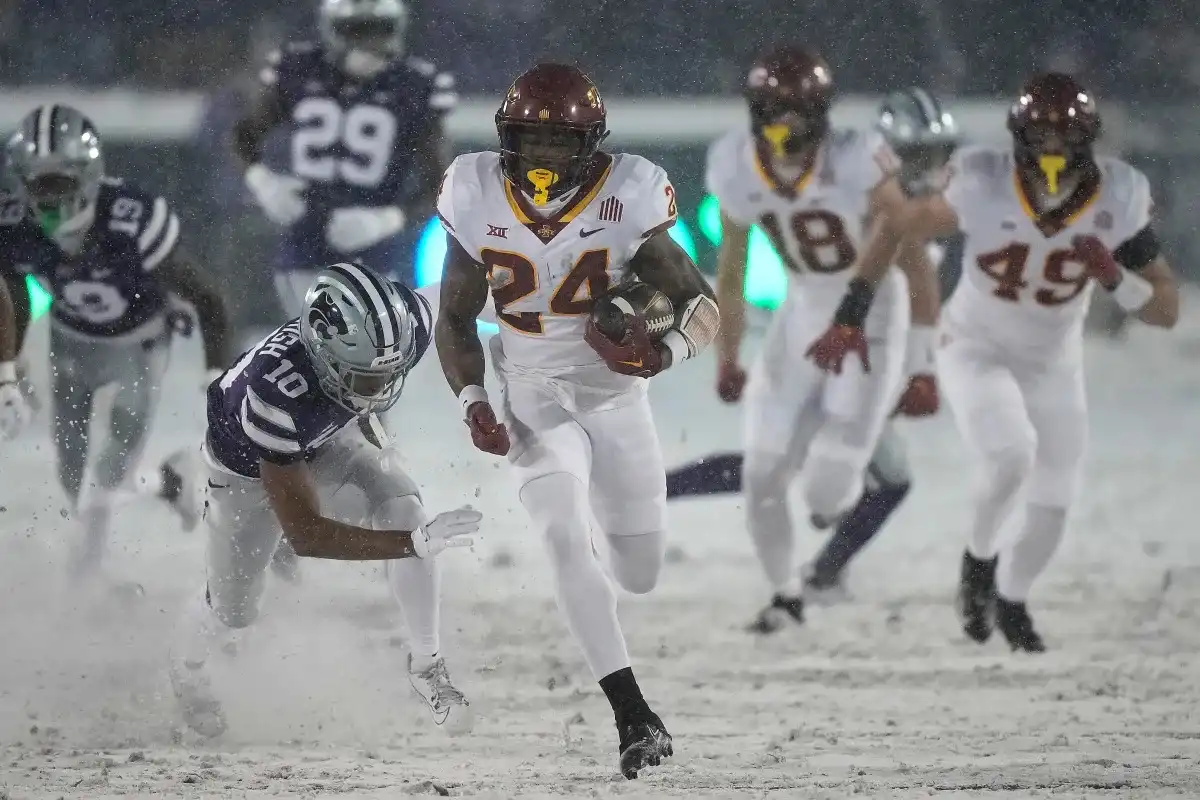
pixel 326 319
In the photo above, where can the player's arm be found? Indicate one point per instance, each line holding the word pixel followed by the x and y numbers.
pixel 180 276
pixel 266 112
pixel 666 266
pixel 8 335
pixel 923 289
pixel 464 293
pixel 434 151
pixel 1136 274
pixel 928 217
pixel 731 292
pixel 292 494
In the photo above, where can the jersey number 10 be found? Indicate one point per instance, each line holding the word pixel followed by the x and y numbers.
pixel 367 134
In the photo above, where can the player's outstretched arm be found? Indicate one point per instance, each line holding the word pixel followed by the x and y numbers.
pixel 1136 275
pixel 1162 309
pixel 293 497
pixel 666 266
pixel 731 287
pixel 265 113
pixel 181 277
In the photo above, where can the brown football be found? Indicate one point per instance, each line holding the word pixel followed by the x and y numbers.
pixel 612 312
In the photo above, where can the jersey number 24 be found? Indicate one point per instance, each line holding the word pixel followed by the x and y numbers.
pixel 366 134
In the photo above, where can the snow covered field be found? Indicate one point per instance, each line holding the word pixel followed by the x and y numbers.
pixel 880 698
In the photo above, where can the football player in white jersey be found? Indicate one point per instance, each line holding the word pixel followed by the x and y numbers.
pixel 1045 222
pixel 549 224
pixel 827 199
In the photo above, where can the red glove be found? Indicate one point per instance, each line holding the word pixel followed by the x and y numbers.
pixel 835 344
pixel 634 355
pixel 1099 261
pixel 846 334
pixel 731 380
pixel 487 434
pixel 920 398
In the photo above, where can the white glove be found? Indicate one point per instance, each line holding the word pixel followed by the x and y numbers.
pixel 280 196
pixel 353 229
pixel 446 530
pixel 14 412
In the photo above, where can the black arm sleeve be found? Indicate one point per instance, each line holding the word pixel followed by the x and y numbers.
pixel 1136 252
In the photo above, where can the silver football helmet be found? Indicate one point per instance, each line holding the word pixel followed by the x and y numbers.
pixel 364 334
pixel 56 158
pixel 363 36
pixel 922 133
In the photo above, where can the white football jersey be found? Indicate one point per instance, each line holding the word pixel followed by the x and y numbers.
pixel 818 222
pixel 1022 286
pixel 545 270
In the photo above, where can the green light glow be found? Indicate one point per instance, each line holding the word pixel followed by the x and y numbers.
pixel 766 278
pixel 39 298
pixel 682 235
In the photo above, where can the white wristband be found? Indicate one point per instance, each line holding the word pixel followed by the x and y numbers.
pixel 918 359
pixel 470 395
pixel 8 372
pixel 677 343
pixel 1132 292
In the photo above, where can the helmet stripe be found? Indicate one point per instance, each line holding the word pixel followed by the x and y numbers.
pixel 56 119
pixel 927 105
pixel 373 297
pixel 43 130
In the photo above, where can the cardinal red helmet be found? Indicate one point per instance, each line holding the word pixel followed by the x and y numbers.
pixel 551 124
pixel 1054 124
pixel 789 90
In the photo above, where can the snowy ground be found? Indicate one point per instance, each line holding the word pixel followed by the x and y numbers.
pixel 879 698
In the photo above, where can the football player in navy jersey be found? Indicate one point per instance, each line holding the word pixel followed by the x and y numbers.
pixel 109 252
pixel 365 147
pixel 282 437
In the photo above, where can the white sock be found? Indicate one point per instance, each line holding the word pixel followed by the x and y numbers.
pixel 415 582
pixel 1026 558
pixel 996 498
pixel 770 522
pixel 558 507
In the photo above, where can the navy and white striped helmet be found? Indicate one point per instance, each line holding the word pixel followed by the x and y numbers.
pixel 363 36
pixel 922 133
pixel 55 155
pixel 364 334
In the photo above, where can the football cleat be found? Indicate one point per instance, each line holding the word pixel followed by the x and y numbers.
pixel 977 597
pixel 824 589
pixel 644 743
pixel 780 612
pixel 447 705
pixel 1014 622
pixel 193 692
pixel 285 563
pixel 178 482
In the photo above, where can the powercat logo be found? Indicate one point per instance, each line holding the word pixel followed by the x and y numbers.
pixel 326 319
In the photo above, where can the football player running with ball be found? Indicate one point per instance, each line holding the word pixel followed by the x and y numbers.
pixel 551 224
pixel 289 425
pixel 1045 222
pixel 829 201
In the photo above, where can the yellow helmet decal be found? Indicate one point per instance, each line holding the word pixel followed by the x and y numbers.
pixel 1052 166
pixel 777 135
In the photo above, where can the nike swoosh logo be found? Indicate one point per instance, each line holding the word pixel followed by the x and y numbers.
pixel 637 363
pixel 585 234
pixel 212 485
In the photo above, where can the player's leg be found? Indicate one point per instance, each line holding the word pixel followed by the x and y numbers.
pixel 989 409
pixel 137 372
pixel 1057 406
pixel 242 533
pixel 394 503
pixel 551 460
pixel 720 473
pixel 885 485
pixel 22 316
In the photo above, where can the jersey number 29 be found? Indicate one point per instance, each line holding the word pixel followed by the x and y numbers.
pixel 367 134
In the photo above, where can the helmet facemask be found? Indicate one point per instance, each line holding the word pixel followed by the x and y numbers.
pixel 364 41
pixel 922 165
pixel 788 129
pixel 1057 154
pixel 63 204
pixel 546 161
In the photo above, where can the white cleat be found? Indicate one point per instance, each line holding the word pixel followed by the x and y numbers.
pixel 193 691
pixel 285 563
pixel 451 711
pixel 824 591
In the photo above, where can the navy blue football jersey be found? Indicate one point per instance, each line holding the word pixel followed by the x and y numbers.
pixel 270 406
pixel 109 288
pixel 354 140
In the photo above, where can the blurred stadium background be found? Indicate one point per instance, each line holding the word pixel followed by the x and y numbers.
pixel 164 80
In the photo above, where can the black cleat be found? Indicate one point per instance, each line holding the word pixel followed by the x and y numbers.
pixel 775 616
pixel 977 597
pixel 644 743
pixel 1014 622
